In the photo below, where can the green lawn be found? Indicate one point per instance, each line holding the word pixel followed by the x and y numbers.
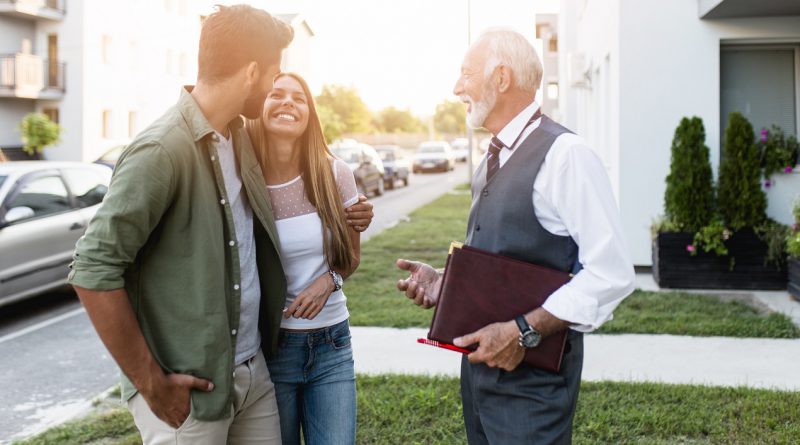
pixel 427 410
pixel 373 299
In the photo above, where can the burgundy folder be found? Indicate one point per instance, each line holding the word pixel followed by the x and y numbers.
pixel 480 288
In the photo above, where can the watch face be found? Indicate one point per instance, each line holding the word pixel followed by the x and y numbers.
pixel 531 339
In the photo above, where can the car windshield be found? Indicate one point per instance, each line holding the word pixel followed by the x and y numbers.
pixel 431 149
pixel 347 154
pixel 2 179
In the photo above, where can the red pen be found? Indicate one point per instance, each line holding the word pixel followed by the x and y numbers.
pixel 438 344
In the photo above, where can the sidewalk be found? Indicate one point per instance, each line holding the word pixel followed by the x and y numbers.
pixel 716 361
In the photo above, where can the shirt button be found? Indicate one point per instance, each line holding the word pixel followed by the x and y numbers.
pixel 231 243
pixel 233 332
pixel 213 158
pixel 222 201
pixel 234 374
pixel 235 287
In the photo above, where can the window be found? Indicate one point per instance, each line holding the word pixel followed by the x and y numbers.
pixel 553 45
pixel 170 62
pixel 761 82
pixel 541 30
pixel 87 186
pixel 107 124
pixel 552 90
pixel 131 124
pixel 183 68
pixel 45 196
pixel 106 50
pixel 51 113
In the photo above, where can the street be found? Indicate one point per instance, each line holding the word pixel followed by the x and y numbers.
pixel 54 364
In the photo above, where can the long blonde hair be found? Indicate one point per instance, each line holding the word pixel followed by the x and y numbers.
pixel 320 184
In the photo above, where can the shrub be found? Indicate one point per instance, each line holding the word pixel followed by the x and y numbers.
pixel 740 200
pixel 38 132
pixel 689 197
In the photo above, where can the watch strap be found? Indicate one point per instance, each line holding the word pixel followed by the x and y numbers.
pixel 522 324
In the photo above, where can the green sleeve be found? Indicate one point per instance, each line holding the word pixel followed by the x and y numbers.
pixel 141 190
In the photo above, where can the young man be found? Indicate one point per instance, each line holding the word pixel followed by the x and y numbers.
pixel 540 196
pixel 179 270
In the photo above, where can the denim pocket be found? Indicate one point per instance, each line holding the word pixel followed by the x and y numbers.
pixel 341 338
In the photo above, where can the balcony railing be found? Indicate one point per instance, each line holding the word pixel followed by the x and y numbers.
pixel 35 9
pixel 30 76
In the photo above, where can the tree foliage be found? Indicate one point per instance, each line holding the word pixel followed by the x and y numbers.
pixel 689 197
pixel 393 120
pixel 332 126
pixel 450 117
pixel 38 132
pixel 742 203
pixel 345 103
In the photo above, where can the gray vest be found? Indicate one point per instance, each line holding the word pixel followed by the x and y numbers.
pixel 502 219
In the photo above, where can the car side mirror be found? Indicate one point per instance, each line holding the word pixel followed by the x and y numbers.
pixel 18 213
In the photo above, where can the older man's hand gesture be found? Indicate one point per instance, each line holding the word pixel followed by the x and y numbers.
pixel 423 285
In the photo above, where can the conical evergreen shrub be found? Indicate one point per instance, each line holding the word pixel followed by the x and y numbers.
pixel 740 200
pixel 689 198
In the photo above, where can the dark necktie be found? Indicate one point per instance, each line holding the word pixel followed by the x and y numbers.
pixel 493 162
pixel 495 145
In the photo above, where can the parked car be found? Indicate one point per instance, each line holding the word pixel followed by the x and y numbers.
pixel 460 149
pixel 110 156
pixel 365 163
pixel 396 166
pixel 434 155
pixel 44 208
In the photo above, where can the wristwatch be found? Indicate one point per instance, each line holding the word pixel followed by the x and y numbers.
pixel 337 280
pixel 528 336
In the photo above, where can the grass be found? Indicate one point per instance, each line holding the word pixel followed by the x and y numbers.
pixel 396 409
pixel 373 299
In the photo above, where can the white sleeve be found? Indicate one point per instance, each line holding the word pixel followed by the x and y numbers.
pixel 577 190
pixel 345 182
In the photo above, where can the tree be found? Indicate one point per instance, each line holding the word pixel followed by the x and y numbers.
pixel 348 106
pixel 450 117
pixel 331 124
pixel 742 203
pixel 392 120
pixel 689 198
pixel 38 132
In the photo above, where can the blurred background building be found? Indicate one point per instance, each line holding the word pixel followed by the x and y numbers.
pixel 631 69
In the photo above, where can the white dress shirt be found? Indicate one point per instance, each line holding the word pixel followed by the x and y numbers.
pixel 572 196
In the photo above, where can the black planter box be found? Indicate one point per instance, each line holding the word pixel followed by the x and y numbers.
pixel 794 278
pixel 675 267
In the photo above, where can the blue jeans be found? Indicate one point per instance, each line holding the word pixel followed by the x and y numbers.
pixel 315 385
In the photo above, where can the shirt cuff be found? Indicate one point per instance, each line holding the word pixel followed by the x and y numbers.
pixel 569 305
pixel 99 278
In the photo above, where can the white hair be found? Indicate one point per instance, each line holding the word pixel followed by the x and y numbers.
pixel 511 49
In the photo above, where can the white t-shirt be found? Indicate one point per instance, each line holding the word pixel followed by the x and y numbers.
pixel 300 233
pixel 248 338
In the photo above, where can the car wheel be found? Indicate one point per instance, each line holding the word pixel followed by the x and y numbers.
pixel 389 184
pixel 405 181
pixel 379 190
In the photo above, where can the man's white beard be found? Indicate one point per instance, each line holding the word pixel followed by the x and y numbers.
pixel 482 108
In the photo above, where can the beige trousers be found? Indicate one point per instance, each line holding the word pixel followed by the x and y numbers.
pixel 253 420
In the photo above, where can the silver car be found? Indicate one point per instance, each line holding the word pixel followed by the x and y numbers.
pixel 44 208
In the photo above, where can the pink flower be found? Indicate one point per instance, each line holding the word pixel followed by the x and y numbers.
pixel 788 169
pixel 690 248
pixel 767 183
pixel 764 139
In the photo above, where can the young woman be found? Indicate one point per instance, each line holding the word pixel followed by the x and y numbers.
pixel 309 188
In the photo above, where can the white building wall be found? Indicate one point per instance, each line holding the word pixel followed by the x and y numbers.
pixel 663 65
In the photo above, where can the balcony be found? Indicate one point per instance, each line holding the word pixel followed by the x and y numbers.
pixel 27 76
pixel 35 9
pixel 723 9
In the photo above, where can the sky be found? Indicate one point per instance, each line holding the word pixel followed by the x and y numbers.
pixel 402 53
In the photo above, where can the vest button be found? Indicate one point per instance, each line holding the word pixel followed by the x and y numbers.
pixel 485 192
pixel 477 227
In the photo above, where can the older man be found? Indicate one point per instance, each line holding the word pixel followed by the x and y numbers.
pixel 541 195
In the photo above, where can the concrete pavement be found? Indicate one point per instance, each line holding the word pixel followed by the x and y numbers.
pixel 715 361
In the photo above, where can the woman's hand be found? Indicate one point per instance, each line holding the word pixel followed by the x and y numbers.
pixel 313 298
